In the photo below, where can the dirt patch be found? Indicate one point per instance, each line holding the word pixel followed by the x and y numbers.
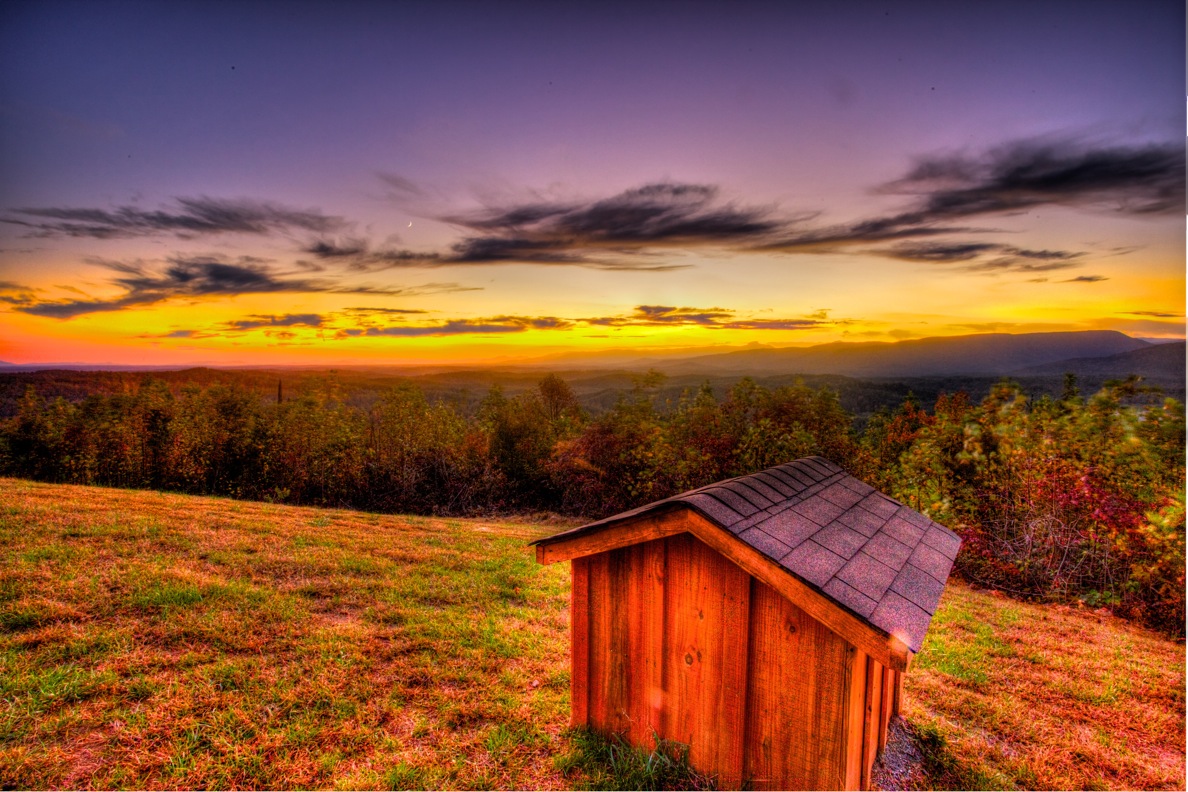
pixel 901 765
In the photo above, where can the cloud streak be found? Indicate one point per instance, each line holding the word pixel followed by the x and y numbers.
pixel 199 277
pixel 641 316
pixel 1027 174
pixel 620 233
pixel 257 321
pixel 984 256
pixel 488 326
pixel 952 196
pixel 715 318
pixel 190 217
pixel 1014 178
pixel 1155 314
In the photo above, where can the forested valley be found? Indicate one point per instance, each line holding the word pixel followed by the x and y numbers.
pixel 1068 498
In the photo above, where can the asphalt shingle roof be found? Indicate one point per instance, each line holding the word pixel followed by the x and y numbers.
pixel 868 553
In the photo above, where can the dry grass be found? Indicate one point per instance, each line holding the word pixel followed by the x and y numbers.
pixel 1008 695
pixel 159 641
pixel 162 641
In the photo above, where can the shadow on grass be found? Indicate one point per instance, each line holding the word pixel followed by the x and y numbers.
pixel 920 756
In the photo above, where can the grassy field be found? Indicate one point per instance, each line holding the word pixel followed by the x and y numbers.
pixel 151 640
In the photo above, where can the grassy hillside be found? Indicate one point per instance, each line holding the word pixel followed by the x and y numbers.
pixel 151 640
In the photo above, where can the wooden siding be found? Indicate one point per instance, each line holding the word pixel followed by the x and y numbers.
pixel 795 720
pixel 888 650
pixel 672 639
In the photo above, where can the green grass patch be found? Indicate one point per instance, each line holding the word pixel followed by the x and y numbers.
pixel 611 763
pixel 167 596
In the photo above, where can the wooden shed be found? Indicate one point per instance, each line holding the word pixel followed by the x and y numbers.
pixel 765 621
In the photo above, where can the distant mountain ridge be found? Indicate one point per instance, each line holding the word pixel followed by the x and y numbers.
pixel 982 354
pixel 1157 363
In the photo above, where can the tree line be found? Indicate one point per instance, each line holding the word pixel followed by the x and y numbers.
pixel 1064 498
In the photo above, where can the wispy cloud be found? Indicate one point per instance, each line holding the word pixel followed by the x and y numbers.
pixel 487 326
pixel 984 256
pixel 369 310
pixel 951 196
pixel 641 316
pixel 619 233
pixel 190 217
pixel 1154 314
pixel 288 320
pixel 952 190
pixel 193 277
pixel 717 318
pixel 1027 174
pixel 1086 279
pixel 17 295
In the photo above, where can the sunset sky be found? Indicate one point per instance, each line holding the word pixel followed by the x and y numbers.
pixel 335 183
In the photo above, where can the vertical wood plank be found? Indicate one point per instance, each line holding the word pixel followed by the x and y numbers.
pixel 645 636
pixel 600 643
pixel 855 704
pixel 618 661
pixel 885 706
pixel 706 609
pixel 870 718
pixel 898 694
pixel 579 625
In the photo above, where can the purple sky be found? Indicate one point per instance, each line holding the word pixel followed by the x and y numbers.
pixel 378 115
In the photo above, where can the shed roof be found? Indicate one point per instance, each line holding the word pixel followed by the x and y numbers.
pixel 864 551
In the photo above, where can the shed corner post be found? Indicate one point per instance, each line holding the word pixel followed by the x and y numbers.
pixel 579 623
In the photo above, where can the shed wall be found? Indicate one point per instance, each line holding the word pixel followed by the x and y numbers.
pixel 670 638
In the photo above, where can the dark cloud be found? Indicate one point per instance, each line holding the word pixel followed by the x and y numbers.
pixel 983 256
pixel 1086 279
pixel 632 230
pixel 642 316
pixel 193 277
pixel 775 324
pixel 1027 174
pixel 357 255
pixel 488 326
pixel 288 320
pixel 191 217
pixel 620 233
pixel 610 233
pixel 1155 314
pixel 367 310
pixel 17 294
pixel 178 334
pixel 718 318
pixel 1014 178
pixel 655 214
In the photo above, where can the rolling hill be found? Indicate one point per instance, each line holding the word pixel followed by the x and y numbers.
pixel 984 354
pixel 150 640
